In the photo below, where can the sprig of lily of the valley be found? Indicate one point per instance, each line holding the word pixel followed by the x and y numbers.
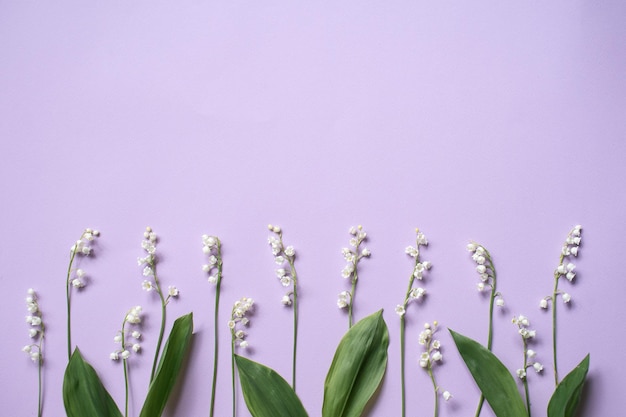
pixel 360 359
pixel 83 391
pixel 285 257
pixel 492 377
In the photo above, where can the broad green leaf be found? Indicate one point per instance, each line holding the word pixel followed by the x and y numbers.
pixel 567 395
pixel 357 368
pixel 492 377
pixel 169 367
pixel 83 392
pixel 266 393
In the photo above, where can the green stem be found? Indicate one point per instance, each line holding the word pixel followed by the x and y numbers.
pixel 162 328
pixel 525 380
pixel 295 332
pixel 403 342
pixel 554 355
pixel 294 276
pixel 492 299
pixel 232 370
pixel 67 297
pixel 432 378
pixel 39 397
pixel 215 325
pixel 402 355
pixel 125 388
pixel 554 351
pixel 352 293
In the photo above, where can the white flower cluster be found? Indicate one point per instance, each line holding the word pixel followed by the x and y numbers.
pixel 352 257
pixel 81 247
pixel 241 309
pixel 284 257
pixel 149 262
pixel 432 353
pixel 212 247
pixel 343 299
pixel 36 330
pixel 570 248
pixel 133 317
pixel 431 346
pixel 415 293
pixel 522 323
pixel 485 269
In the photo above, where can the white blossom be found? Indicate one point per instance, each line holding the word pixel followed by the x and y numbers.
pixel 172 291
pixel 400 310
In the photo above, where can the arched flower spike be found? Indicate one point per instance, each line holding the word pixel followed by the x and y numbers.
pixel 527 335
pixel 430 357
pixel 238 318
pixel 152 283
pixel 488 282
pixel 565 269
pixel 128 342
pixel 353 256
pixel 76 277
pixel 412 294
pixel 37 333
pixel 285 257
pixel 212 247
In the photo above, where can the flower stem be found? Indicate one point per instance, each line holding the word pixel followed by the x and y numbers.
pixel 215 325
pixel 68 296
pixel 432 378
pixel 40 396
pixel 402 365
pixel 403 343
pixel 492 298
pixel 554 351
pixel 125 388
pixel 352 293
pixel 295 332
pixel 294 276
pixel 232 370
pixel 162 328
pixel 525 380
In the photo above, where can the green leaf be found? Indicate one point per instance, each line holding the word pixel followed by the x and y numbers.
pixel 492 377
pixel 266 393
pixel 357 368
pixel 567 394
pixel 169 367
pixel 83 392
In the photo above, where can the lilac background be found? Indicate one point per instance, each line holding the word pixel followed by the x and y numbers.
pixel 501 122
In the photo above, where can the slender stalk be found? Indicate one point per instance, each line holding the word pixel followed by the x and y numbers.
pixel 295 332
pixel 403 347
pixel 492 298
pixel 125 388
pixel 157 353
pixel 352 293
pixel 68 299
pixel 216 325
pixel 554 350
pixel 432 378
pixel 402 365
pixel 40 395
pixel 525 379
pixel 232 370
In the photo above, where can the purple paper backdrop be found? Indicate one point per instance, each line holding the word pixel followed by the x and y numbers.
pixel 501 122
